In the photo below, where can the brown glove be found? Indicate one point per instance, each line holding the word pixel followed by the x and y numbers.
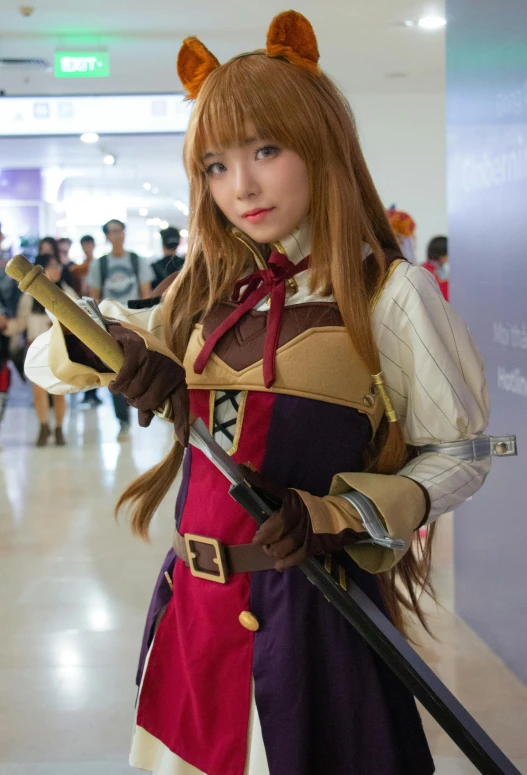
pixel 148 378
pixel 288 533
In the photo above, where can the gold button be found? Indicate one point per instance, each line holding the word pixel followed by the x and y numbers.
pixel 249 621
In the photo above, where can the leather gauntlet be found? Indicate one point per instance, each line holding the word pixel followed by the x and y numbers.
pixel 148 379
pixel 290 535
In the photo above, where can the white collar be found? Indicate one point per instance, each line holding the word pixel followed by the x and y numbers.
pixel 297 244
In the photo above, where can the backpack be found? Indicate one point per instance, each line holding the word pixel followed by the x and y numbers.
pixel 104 269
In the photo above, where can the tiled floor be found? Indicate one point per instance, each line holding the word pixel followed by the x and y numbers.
pixel 74 586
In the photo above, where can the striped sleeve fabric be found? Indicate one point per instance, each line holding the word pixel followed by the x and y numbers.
pixel 436 379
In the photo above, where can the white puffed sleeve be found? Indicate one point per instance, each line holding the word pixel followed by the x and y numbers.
pixel 436 379
pixel 48 364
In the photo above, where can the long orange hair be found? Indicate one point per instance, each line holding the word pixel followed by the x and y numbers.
pixel 306 113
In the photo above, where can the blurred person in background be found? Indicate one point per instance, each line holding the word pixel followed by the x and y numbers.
pixel 81 270
pixel 437 263
pixel 170 262
pixel 48 246
pixel 9 350
pixel 32 317
pixel 403 226
pixel 5 374
pixel 5 250
pixel 9 295
pixel 64 247
pixel 121 275
pixel 90 399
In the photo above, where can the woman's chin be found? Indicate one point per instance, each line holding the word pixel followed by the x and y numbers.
pixel 264 233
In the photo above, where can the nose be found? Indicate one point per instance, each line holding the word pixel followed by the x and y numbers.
pixel 246 184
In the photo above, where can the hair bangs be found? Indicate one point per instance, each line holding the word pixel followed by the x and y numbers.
pixel 247 93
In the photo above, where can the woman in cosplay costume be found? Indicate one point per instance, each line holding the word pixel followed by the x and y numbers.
pixel 293 302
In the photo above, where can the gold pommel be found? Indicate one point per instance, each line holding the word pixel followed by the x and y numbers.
pixel 378 381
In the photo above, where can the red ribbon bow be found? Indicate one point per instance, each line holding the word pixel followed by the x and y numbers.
pixel 257 286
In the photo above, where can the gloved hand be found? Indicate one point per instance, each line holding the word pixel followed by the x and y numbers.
pixel 292 534
pixel 148 378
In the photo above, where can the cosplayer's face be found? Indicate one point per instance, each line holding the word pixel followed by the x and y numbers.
pixel 262 188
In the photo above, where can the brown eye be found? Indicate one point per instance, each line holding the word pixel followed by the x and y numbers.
pixel 267 152
pixel 216 168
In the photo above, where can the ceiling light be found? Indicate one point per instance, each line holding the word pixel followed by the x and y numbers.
pixel 164 224
pixel 143 211
pixel 147 186
pixel 184 233
pixel 90 137
pixel 109 159
pixel 431 22
pixel 409 23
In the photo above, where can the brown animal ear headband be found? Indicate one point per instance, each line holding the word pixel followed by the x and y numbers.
pixel 290 37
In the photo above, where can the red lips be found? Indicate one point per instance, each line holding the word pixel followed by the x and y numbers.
pixel 257 211
pixel 258 215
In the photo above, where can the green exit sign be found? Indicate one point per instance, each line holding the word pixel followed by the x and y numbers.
pixel 82 64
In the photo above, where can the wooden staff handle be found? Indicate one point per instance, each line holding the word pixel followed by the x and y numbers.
pixel 32 280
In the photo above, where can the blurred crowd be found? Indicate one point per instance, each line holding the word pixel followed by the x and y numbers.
pixel 119 274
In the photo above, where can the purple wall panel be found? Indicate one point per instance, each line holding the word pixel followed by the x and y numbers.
pixel 487 190
pixel 20 185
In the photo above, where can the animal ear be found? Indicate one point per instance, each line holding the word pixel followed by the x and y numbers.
pixel 194 64
pixel 291 36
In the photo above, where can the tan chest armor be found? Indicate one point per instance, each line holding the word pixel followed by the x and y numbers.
pixel 315 358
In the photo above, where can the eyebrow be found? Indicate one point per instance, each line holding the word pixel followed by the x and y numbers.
pixel 246 141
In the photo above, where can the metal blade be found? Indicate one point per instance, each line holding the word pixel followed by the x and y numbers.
pixel 202 439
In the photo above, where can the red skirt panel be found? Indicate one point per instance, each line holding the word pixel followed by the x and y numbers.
pixel 196 691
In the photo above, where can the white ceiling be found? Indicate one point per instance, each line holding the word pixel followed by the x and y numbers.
pixel 154 159
pixel 361 41
pixel 363 45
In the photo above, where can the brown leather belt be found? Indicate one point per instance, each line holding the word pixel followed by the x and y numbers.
pixel 209 559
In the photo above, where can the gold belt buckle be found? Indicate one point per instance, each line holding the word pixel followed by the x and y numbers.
pixel 221 576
